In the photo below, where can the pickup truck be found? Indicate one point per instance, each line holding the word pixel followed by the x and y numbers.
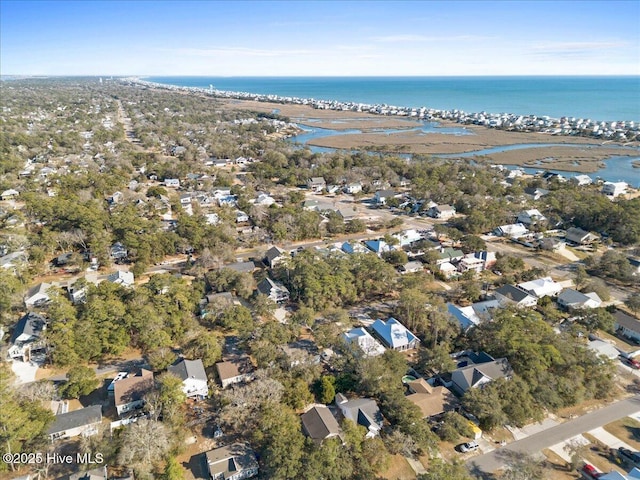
pixel 629 456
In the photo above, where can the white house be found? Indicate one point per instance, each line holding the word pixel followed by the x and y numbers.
pixel 121 277
pixel 129 392
pixel 515 230
pixel 193 376
pixel 361 411
pixel 510 295
pixel 614 189
pixel 360 337
pixel 274 290
pixel 530 217
pixel 381 196
pixel 9 194
pixel 232 462
pixel 26 334
pixel 38 295
pixel 581 180
pixel 573 300
pixel 241 217
pixel 394 335
pixel 443 212
pixel 316 184
pixel 83 422
pixel 541 287
pixel 353 188
pixel 233 371
pixel 172 183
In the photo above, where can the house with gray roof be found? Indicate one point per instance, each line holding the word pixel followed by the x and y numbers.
pixel 363 411
pixel 38 295
pixel 579 236
pixel 476 375
pixel 274 290
pixel 626 325
pixel 193 376
pixel 316 184
pixel 241 267
pixel 274 256
pixel 509 295
pixel 318 423
pixel 571 299
pixel 26 334
pixel 232 462
pixel 83 422
pixel 99 473
pixel 394 335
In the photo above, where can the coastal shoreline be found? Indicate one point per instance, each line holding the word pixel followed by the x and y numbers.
pixel 408 139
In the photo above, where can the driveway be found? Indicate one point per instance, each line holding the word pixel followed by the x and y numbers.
pixel 25 372
pixel 609 440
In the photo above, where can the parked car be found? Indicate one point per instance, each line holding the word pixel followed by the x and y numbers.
pixel 589 471
pixel 632 362
pixel 468 446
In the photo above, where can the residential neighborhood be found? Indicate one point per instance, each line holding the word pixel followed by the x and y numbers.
pixel 194 295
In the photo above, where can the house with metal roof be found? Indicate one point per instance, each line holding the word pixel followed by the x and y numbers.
pixel 394 335
pixel 360 337
pixel 541 287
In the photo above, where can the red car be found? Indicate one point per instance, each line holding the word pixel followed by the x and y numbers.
pixel 590 471
pixel 632 362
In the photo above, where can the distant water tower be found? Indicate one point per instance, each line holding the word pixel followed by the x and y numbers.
pixel 100 79
pixel 210 88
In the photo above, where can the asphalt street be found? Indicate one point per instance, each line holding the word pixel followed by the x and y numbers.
pixel 493 461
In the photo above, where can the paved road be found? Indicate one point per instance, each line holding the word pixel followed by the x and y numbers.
pixel 492 461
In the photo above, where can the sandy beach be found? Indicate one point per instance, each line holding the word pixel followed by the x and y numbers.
pixel 571 159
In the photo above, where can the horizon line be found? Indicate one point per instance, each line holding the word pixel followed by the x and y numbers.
pixel 45 75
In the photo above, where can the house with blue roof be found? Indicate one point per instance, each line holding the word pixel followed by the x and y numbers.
pixel 394 335
pixel 377 246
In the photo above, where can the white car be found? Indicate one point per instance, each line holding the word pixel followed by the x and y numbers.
pixel 468 447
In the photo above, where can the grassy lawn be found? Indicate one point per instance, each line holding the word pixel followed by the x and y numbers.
pixel 557 467
pixel 399 469
pixel 626 429
pixel 599 456
pixel 619 342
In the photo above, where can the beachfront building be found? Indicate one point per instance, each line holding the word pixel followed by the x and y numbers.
pixel 614 189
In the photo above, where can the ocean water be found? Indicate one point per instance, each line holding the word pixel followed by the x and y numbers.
pixel 596 98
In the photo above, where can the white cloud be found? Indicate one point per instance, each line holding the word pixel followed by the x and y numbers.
pixel 407 38
pixel 235 52
pixel 574 48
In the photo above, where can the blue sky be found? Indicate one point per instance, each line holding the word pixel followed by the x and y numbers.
pixel 265 38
